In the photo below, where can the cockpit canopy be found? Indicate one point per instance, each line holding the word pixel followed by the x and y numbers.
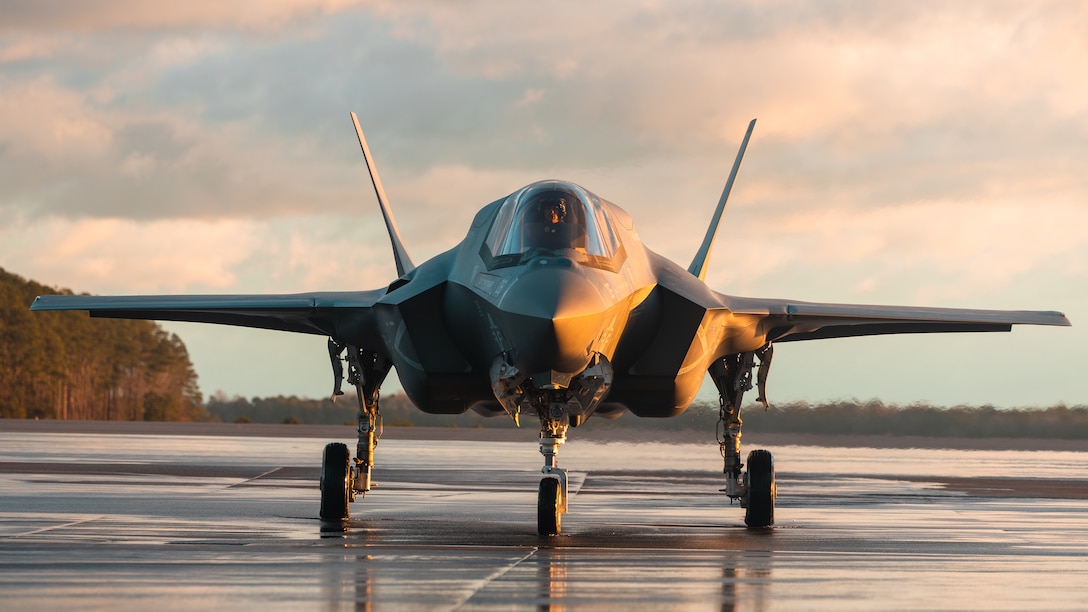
pixel 553 216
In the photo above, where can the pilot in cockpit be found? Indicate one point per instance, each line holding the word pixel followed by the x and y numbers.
pixel 551 216
pixel 551 227
pixel 555 211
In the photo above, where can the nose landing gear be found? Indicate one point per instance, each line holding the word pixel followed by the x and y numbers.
pixel 561 401
pixel 552 496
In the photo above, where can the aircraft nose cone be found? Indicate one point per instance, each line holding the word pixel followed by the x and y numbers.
pixel 552 317
pixel 557 293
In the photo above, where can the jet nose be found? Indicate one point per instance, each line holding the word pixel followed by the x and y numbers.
pixel 553 317
pixel 555 293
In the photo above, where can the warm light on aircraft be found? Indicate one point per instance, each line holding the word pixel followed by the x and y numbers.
pixel 551 307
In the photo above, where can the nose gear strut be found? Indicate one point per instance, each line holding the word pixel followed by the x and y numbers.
pixel 561 400
pixel 552 496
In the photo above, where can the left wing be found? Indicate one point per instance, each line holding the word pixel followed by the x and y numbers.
pixel 789 320
pixel 323 313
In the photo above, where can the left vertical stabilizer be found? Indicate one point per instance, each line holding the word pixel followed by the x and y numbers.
pixel 400 254
pixel 699 264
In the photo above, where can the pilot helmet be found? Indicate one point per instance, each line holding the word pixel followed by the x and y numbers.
pixel 554 209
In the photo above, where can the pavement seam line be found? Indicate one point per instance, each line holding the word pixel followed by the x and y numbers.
pixel 493 577
pixel 257 477
pixel 61 526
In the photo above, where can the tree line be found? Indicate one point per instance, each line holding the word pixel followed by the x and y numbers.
pixel 850 417
pixel 876 418
pixel 64 365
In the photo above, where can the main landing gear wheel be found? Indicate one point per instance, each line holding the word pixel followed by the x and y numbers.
pixel 335 482
pixel 549 507
pixel 761 490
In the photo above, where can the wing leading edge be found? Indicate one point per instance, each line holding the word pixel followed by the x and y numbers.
pixel 322 313
pixel 790 321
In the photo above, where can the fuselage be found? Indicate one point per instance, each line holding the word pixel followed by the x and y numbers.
pixel 548 282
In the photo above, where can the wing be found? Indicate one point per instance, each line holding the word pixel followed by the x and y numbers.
pixel 326 313
pixel 789 320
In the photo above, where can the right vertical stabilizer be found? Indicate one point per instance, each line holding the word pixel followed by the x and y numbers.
pixel 400 254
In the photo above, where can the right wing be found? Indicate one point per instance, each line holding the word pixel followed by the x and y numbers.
pixel 324 313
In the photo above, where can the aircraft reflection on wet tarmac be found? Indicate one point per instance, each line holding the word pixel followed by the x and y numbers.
pixel 557 579
pixel 167 521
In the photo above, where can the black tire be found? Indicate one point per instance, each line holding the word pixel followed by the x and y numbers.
pixel 761 490
pixel 548 507
pixel 335 484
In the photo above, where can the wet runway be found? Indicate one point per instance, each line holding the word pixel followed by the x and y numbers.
pixel 148 520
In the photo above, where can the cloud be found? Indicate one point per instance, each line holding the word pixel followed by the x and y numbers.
pixel 118 255
pixel 104 256
pixel 64 155
pixel 48 122
pixel 874 100
pixel 960 250
pixel 92 15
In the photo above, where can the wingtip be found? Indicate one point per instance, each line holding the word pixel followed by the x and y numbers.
pixel 1057 319
pixel 43 302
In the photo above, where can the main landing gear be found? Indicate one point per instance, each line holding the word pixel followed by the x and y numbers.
pixel 341 478
pixel 755 489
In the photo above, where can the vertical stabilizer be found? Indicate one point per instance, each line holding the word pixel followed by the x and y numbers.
pixel 400 254
pixel 698 265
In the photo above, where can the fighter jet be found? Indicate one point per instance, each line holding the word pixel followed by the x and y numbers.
pixel 550 308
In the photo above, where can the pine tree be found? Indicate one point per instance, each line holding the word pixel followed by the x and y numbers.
pixel 65 365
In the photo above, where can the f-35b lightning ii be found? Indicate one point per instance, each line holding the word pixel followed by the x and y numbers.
pixel 551 308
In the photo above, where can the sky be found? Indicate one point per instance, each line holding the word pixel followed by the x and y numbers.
pixel 918 153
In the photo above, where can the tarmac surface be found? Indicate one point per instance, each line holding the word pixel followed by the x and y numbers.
pixel 127 516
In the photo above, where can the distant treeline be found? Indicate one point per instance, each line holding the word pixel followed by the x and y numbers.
pixel 64 365
pixel 396 410
pixel 842 417
pixel 879 419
